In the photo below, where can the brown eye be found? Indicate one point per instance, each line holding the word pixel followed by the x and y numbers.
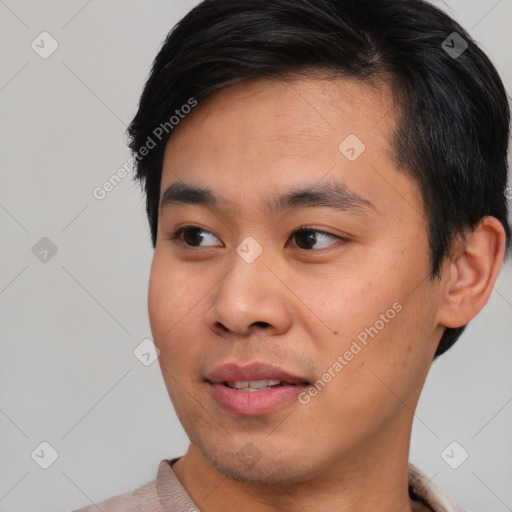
pixel 308 237
pixel 192 236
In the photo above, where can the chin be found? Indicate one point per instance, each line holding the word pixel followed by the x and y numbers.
pixel 256 463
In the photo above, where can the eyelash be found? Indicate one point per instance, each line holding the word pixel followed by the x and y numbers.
pixel 175 237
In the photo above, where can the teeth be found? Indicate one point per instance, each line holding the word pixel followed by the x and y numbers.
pixel 253 385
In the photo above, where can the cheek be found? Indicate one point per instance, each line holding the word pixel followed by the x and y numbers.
pixel 170 308
pixel 165 310
pixel 171 296
pixel 399 347
pixel 384 328
pixel 161 303
pixel 353 302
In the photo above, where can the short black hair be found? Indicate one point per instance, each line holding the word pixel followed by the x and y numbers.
pixel 452 133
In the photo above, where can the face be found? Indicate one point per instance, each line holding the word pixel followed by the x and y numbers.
pixel 344 304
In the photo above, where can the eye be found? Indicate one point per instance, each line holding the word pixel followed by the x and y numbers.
pixel 191 235
pixel 308 236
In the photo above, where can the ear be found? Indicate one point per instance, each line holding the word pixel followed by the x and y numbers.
pixel 469 275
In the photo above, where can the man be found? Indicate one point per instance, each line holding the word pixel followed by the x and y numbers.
pixel 325 188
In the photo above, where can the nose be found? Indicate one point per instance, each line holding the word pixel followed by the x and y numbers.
pixel 249 298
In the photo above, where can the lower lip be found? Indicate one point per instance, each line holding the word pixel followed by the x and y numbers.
pixel 254 403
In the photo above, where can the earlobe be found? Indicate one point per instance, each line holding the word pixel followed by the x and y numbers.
pixel 470 275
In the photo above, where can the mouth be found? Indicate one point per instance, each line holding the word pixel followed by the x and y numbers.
pixel 255 389
pixel 255 375
pixel 258 385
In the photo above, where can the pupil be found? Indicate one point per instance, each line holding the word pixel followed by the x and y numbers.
pixel 309 236
pixel 193 239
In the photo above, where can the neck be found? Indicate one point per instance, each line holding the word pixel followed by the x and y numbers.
pixel 367 480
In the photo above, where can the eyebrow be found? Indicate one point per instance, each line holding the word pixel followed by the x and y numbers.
pixel 331 194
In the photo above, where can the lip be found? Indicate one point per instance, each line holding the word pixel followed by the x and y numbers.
pixel 254 403
pixel 230 372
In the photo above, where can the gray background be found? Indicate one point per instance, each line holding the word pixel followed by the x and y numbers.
pixel 69 325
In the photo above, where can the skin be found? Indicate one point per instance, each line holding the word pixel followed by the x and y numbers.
pixel 300 306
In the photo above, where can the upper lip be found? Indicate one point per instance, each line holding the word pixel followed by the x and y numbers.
pixel 232 372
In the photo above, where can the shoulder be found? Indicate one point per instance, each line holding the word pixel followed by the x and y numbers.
pixel 143 499
pixel 429 493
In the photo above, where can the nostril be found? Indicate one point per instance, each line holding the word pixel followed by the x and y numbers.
pixel 261 324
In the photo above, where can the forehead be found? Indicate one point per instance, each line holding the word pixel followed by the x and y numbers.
pixel 292 113
pixel 268 136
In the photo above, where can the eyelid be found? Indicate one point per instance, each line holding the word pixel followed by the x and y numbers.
pixel 317 230
pixel 175 236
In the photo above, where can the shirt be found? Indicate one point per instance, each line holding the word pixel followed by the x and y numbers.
pixel 166 494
